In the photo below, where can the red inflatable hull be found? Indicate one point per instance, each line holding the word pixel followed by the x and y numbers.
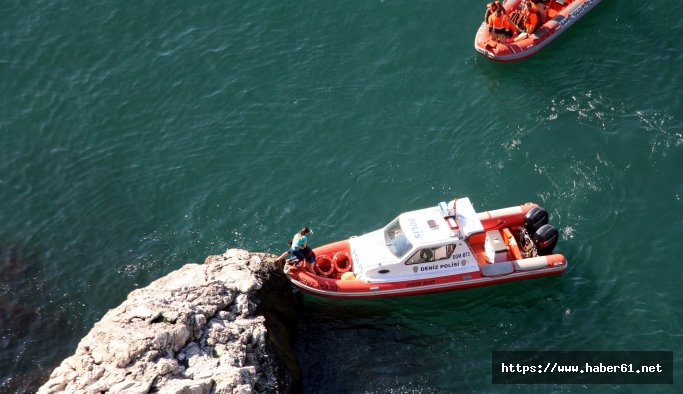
pixel 559 16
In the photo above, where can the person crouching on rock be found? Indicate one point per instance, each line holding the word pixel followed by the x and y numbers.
pixel 283 257
pixel 300 247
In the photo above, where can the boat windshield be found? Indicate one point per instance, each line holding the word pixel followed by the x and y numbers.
pixel 396 239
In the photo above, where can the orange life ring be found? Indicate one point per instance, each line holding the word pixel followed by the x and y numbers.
pixel 323 265
pixel 341 262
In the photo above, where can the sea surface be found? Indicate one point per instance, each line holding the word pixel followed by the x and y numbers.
pixel 136 137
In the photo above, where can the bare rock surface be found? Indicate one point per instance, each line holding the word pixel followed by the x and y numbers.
pixel 224 326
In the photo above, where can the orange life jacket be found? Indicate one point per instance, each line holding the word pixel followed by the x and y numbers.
pixel 499 21
pixel 530 19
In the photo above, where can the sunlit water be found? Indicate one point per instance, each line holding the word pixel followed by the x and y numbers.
pixel 135 138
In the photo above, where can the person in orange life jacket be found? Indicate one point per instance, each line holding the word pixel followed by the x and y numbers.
pixel 499 26
pixel 491 8
pixel 300 247
pixel 531 17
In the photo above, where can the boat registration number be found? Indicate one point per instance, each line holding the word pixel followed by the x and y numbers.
pixel 420 283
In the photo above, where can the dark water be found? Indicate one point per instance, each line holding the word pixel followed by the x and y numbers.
pixel 137 137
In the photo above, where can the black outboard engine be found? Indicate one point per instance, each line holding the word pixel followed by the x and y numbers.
pixel 545 239
pixel 534 219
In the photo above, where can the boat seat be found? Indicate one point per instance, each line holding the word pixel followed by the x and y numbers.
pixel 496 240
pixel 511 242
pixel 495 248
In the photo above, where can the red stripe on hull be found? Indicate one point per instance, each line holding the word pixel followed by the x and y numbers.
pixel 358 289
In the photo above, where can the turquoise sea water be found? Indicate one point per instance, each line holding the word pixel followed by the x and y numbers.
pixel 137 137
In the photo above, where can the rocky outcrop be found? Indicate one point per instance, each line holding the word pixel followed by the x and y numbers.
pixel 224 326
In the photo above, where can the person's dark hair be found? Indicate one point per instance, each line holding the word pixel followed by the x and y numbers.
pixel 305 230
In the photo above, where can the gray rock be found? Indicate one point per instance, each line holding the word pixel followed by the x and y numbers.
pixel 200 329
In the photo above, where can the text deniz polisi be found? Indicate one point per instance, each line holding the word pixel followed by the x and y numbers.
pixel 450 264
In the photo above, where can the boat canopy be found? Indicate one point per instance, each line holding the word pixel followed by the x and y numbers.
pixel 467 217
pixel 424 226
